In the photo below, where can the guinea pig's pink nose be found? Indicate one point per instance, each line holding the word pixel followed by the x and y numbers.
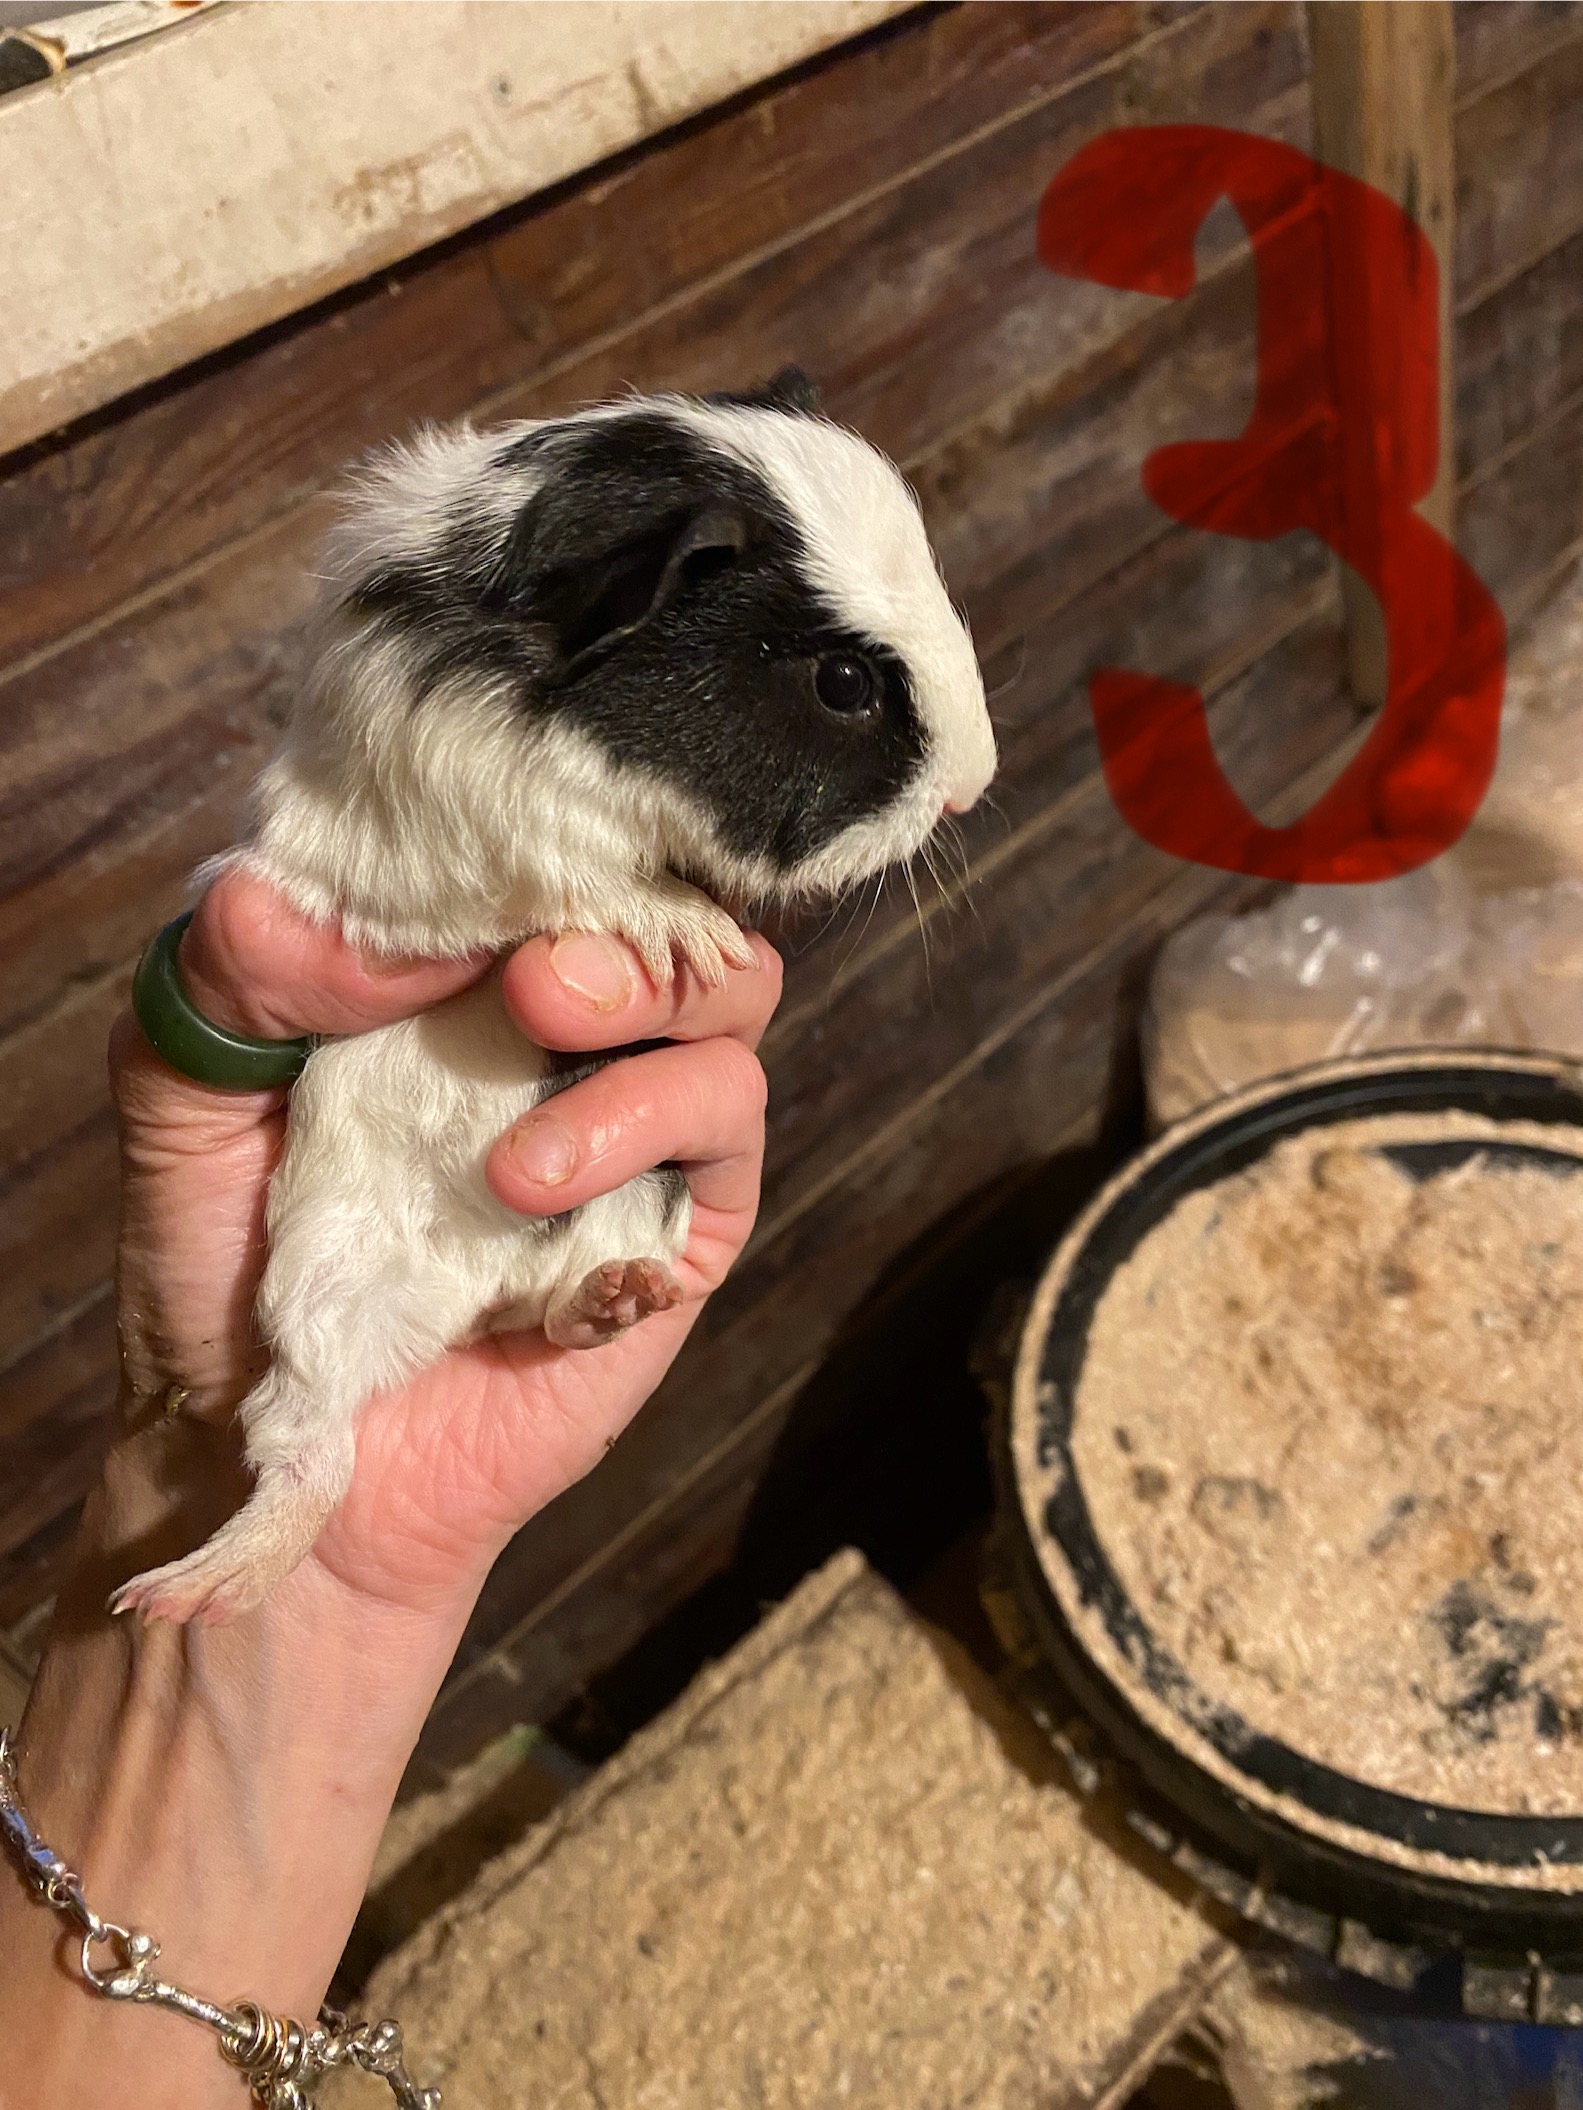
pixel 956 803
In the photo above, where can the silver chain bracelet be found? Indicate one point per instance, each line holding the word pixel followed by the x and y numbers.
pixel 278 2058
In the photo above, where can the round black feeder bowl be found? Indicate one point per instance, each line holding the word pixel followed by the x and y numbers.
pixel 1418 1877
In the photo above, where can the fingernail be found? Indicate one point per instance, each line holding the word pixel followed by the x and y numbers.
pixel 544 1150
pixel 594 968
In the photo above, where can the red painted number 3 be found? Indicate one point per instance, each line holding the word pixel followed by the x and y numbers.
pixel 1343 439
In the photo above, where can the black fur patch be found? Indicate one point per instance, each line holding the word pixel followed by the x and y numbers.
pixel 674 1184
pixel 652 594
pixel 788 389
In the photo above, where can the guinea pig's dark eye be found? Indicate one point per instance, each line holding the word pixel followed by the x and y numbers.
pixel 845 684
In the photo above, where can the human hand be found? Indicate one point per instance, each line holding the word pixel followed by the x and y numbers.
pixel 225 1787
pixel 454 1462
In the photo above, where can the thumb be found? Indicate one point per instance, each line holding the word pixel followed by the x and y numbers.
pixel 252 962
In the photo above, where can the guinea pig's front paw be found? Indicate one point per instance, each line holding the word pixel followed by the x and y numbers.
pixel 669 924
pixel 608 1300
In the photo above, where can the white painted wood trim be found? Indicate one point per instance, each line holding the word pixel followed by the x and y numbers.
pixel 165 199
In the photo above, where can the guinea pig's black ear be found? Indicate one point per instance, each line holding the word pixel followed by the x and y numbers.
pixel 627 585
pixel 710 542
pixel 790 389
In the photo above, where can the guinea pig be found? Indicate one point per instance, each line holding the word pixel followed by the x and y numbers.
pixel 625 671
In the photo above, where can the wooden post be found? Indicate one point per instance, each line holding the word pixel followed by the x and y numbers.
pixel 1383 77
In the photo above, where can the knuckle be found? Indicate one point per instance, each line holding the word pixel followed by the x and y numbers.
pixel 229 918
pixel 739 1075
pixel 126 1043
pixel 771 978
pixel 529 986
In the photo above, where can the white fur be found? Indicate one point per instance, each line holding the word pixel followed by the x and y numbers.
pixel 464 825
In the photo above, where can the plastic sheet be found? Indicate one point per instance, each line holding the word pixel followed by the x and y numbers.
pixel 1483 947
pixel 1327 971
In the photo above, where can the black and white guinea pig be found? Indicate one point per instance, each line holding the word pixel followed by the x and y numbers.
pixel 604 673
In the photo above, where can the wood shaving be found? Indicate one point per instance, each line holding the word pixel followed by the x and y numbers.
pixel 1330 1431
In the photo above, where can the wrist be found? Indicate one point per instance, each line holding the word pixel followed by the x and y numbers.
pixel 222 1789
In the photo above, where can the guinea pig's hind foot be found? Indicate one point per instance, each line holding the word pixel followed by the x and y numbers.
pixel 608 1300
pixel 238 1567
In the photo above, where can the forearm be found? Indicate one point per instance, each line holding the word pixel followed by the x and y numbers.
pixel 221 1788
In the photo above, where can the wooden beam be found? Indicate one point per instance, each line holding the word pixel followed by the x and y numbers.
pixel 1383 83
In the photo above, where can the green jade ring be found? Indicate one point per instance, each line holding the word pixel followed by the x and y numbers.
pixel 209 1054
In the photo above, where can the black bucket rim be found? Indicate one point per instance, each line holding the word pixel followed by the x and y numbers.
pixel 1449 1903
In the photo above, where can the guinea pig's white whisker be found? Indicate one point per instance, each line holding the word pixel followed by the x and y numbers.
pixel 967 881
pixel 908 873
pixel 961 861
pixel 861 932
pixel 841 905
pixel 844 910
pixel 948 868
pixel 930 852
pixel 873 907
pixel 992 805
pixel 939 852
pixel 942 904
pixel 1005 688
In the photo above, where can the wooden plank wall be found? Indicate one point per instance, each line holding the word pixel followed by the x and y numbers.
pixel 871 216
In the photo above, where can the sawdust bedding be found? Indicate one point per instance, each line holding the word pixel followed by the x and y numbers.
pixel 1330 1430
